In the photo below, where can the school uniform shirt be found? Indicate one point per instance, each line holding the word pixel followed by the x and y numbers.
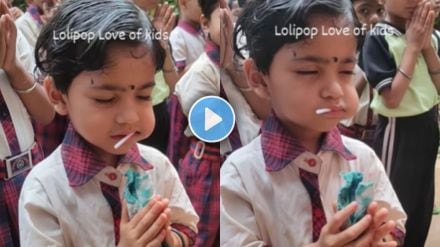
pixel 263 201
pixel 20 119
pixel 187 43
pixel 25 54
pixel 381 55
pixel 30 25
pixel 65 202
pixel 203 79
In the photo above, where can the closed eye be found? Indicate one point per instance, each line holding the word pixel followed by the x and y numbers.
pixel 307 72
pixel 347 72
pixel 104 101
pixel 146 98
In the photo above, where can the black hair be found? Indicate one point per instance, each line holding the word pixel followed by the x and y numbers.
pixel 63 57
pixel 208 6
pixel 259 18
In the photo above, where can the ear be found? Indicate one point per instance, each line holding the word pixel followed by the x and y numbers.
pixel 204 23
pixel 256 79
pixel 57 98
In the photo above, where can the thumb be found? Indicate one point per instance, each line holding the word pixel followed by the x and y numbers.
pixel 124 213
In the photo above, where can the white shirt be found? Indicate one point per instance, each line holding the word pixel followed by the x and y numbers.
pixel 20 118
pixel 203 79
pixel 25 53
pixel 186 45
pixel 29 28
pixel 261 208
pixel 51 213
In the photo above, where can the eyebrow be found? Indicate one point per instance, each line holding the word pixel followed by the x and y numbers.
pixel 316 59
pixel 108 87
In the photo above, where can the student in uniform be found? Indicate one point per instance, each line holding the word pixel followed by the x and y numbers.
pixel 80 194
pixel 400 60
pixel 281 188
pixel 21 98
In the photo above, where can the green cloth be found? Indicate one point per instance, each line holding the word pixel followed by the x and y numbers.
pixel 161 91
pixel 137 192
pixel 355 190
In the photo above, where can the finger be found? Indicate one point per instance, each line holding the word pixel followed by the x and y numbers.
pixel 138 217
pixel 151 216
pixel 157 241
pixel 380 217
pixel 170 24
pixel 4 10
pixel 157 11
pixel 372 208
pixel 167 14
pixel 2 41
pixel 158 225
pixel 341 217
pixel 387 244
pixel 124 213
pixel 429 21
pixel 365 239
pixel 384 230
pixel 223 4
pixel 354 231
pixel 163 9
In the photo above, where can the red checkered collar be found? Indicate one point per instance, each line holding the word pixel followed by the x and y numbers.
pixel 190 28
pixel 82 164
pixel 280 147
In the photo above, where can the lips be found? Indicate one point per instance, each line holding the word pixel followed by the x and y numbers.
pixel 120 136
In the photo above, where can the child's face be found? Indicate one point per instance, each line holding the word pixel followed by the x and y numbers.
pixel 401 8
pixel 212 26
pixel 369 12
pixel 193 10
pixel 106 105
pixel 314 74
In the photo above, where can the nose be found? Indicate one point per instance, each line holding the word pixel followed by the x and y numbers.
pixel 127 114
pixel 332 90
pixel 374 19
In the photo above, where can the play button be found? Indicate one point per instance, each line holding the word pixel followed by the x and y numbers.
pixel 211 119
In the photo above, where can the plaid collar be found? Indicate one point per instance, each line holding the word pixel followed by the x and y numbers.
pixel 213 51
pixel 280 147
pixel 82 164
pixel 33 10
pixel 190 28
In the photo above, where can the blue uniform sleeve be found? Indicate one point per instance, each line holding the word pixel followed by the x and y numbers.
pixel 377 62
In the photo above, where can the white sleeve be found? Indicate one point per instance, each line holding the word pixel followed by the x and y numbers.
pixel 38 222
pixel 179 49
pixel 238 226
pixel 201 80
pixel 170 186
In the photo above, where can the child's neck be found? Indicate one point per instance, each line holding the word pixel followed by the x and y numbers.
pixel 397 21
pixel 188 20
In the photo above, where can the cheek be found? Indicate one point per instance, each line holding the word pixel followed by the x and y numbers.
pixel 352 100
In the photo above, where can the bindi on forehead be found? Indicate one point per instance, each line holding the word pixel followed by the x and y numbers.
pixel 132 87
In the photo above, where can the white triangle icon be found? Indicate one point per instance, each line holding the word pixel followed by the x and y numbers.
pixel 211 119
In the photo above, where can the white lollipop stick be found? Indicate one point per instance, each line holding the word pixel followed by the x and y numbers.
pixel 120 142
pixel 322 111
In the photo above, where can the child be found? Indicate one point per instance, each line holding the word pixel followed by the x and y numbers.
pixel 363 124
pixel 186 39
pixel 200 167
pixel 73 198
pixel 20 98
pixel 270 188
pixel 400 61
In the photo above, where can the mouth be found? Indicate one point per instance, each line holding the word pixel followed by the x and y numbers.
pixel 123 138
pixel 332 112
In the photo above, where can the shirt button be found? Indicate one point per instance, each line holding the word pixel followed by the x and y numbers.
pixel 112 176
pixel 311 162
